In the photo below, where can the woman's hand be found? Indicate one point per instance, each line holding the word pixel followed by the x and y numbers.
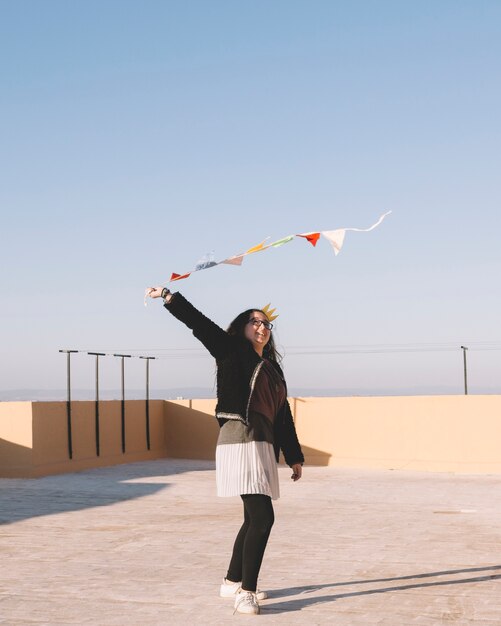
pixel 153 292
pixel 297 471
pixel 157 292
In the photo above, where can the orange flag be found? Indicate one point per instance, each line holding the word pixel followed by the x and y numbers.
pixel 311 237
pixel 258 248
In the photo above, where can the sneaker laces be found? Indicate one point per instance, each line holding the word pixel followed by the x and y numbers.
pixel 252 600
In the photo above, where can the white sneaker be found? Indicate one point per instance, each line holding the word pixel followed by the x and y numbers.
pixel 246 602
pixel 228 590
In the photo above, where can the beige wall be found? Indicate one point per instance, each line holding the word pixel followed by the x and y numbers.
pixel 191 429
pixel 16 437
pixel 436 433
pixel 34 439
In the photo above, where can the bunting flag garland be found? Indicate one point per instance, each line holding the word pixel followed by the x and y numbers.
pixel 334 237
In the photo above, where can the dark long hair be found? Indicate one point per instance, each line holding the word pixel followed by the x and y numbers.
pixel 237 328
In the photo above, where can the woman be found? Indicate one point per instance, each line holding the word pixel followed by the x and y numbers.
pixel 255 424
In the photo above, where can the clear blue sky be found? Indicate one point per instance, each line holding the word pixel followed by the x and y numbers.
pixel 138 136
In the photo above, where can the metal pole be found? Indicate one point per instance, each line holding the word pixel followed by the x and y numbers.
pixel 123 356
pixel 68 399
pixel 464 348
pixel 97 355
pixel 148 359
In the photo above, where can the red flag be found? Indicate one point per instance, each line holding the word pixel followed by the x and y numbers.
pixel 178 276
pixel 311 237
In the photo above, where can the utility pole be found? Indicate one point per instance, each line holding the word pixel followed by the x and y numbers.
pixel 464 348
pixel 123 357
pixel 148 359
pixel 97 355
pixel 68 399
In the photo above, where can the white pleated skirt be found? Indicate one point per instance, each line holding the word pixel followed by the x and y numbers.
pixel 248 467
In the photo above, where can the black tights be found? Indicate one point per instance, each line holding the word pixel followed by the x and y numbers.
pixel 251 540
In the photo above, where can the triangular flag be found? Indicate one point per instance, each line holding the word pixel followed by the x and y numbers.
pixel 257 248
pixel 336 238
pixel 281 242
pixel 311 237
pixel 205 262
pixel 234 260
pixel 175 276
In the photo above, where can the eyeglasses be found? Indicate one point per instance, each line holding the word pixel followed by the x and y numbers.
pixel 257 323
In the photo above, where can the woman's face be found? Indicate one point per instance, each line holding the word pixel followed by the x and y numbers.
pixel 256 332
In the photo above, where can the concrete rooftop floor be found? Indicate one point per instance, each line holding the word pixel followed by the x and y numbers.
pixel 148 543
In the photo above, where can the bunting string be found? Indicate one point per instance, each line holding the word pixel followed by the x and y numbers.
pixel 334 237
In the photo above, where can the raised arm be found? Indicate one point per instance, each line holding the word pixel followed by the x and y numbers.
pixel 213 337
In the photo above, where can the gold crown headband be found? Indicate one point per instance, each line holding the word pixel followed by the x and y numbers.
pixel 269 312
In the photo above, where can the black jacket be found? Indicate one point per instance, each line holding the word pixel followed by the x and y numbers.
pixel 238 365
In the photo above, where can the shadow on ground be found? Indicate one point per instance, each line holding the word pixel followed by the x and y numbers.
pixel 25 498
pixel 297 604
